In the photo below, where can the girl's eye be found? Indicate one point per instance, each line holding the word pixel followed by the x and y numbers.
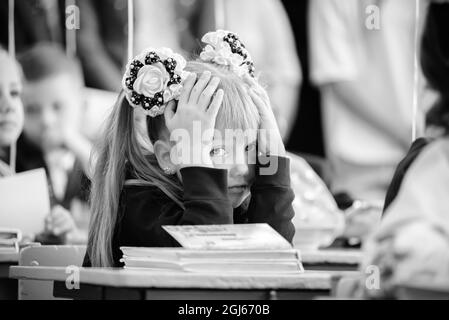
pixel 57 107
pixel 218 152
pixel 32 110
pixel 15 93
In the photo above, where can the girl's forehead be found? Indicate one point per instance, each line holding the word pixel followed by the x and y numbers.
pixel 235 135
pixel 9 70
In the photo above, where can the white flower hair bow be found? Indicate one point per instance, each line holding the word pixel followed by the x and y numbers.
pixel 153 78
pixel 225 48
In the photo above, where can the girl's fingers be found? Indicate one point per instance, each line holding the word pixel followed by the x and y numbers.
pixel 61 219
pixel 208 92
pixel 62 229
pixel 250 81
pixel 62 226
pixel 215 105
pixel 187 88
pixel 260 104
pixel 199 87
pixel 257 88
pixel 48 224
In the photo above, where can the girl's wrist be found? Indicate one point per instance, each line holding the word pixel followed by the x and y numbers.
pixel 271 144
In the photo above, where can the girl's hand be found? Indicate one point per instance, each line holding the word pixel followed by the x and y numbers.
pixel 60 222
pixel 362 219
pixel 270 139
pixel 192 124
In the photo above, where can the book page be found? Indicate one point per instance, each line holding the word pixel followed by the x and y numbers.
pixel 228 237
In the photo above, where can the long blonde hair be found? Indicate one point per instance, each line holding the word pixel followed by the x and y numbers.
pixel 119 151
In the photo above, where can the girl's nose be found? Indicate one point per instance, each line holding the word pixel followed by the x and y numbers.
pixel 48 117
pixel 239 170
pixel 5 105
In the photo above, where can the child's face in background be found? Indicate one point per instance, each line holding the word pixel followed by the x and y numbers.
pixel 236 153
pixel 11 108
pixel 53 106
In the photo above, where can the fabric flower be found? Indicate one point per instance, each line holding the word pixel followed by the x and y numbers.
pixel 214 38
pixel 151 80
pixel 219 51
pixel 152 83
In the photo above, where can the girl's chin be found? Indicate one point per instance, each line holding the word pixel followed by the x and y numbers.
pixel 7 138
pixel 238 199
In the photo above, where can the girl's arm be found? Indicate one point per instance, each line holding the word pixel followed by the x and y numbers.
pixel 271 194
pixel 205 188
pixel 147 210
pixel 272 197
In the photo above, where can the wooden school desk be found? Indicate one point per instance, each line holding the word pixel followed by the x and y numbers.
pixel 422 291
pixel 8 287
pixel 109 283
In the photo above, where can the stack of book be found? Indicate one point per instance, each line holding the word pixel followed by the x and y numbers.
pixel 219 249
pixel 187 260
pixel 9 241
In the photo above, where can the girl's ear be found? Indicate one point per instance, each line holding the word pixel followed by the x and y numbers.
pixel 162 151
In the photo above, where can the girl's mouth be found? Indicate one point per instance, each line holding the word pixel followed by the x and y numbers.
pixel 7 124
pixel 238 189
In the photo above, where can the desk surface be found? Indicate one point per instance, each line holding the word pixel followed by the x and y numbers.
pixel 150 279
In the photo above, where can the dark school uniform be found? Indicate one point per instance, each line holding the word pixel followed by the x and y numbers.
pixel 143 210
pixel 415 150
pixel 30 157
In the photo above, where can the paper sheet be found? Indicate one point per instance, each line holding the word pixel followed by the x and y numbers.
pixel 24 201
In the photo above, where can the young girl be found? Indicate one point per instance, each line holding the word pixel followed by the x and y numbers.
pixel 134 195
pixel 11 108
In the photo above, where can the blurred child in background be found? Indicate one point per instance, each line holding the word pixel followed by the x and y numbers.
pixel 11 108
pixel 53 101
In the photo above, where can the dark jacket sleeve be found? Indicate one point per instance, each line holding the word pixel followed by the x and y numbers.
pixel 272 197
pixel 146 211
pixel 401 170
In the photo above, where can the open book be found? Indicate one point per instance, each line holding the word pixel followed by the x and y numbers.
pixel 250 248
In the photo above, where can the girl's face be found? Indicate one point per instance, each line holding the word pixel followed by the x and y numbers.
pixel 235 151
pixel 11 108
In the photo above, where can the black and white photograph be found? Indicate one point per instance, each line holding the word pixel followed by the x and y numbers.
pixel 247 152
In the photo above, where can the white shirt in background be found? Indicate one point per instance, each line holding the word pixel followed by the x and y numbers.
pixel 380 63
